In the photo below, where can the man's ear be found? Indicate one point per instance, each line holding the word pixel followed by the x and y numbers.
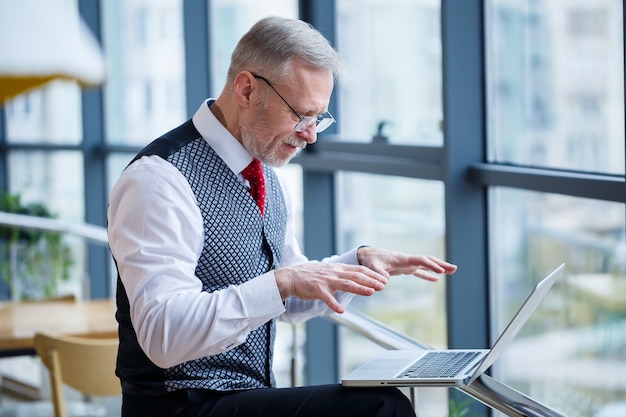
pixel 244 88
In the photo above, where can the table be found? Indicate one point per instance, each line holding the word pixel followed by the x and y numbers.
pixel 19 321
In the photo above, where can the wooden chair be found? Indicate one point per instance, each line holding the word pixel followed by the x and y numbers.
pixel 85 364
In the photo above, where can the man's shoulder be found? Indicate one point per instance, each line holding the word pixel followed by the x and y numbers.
pixel 171 141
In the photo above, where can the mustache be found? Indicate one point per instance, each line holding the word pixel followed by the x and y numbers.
pixel 296 143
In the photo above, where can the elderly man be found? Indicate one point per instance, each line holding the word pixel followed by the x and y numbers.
pixel 202 233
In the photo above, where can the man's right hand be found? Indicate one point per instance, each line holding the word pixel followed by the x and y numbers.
pixel 319 281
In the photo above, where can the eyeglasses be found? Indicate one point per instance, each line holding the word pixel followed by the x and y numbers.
pixel 321 121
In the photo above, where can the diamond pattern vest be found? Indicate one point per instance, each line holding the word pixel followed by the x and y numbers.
pixel 239 245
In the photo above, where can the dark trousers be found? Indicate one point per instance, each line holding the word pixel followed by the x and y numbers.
pixel 312 401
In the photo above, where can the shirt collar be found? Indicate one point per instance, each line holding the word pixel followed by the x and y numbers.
pixel 220 139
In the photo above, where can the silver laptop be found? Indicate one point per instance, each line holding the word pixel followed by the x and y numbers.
pixel 445 368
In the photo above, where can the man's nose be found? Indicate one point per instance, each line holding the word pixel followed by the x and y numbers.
pixel 310 135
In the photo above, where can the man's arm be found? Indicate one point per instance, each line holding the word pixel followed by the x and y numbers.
pixel 156 235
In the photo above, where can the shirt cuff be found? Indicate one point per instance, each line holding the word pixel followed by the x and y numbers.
pixel 261 296
pixel 349 257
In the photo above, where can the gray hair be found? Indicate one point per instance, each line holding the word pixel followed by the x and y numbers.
pixel 273 43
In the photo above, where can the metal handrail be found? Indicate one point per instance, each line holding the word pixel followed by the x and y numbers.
pixel 485 389
pixel 375 331
pixel 90 232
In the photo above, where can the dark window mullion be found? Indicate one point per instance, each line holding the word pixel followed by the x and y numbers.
pixel 94 167
pixel 577 184
pixel 465 138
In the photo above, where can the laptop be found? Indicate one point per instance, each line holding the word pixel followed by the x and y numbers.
pixel 445 368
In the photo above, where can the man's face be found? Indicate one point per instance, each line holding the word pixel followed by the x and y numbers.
pixel 269 135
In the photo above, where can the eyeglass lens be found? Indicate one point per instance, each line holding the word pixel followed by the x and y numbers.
pixel 320 122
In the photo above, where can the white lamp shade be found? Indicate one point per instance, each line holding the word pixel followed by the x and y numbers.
pixel 41 40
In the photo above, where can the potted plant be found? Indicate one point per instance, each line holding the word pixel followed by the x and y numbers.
pixel 32 262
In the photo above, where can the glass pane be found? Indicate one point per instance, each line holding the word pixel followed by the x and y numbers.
pixel 48 115
pixel 555 80
pixel 571 355
pixel 400 214
pixel 56 180
pixel 145 88
pixel 230 20
pixel 392 49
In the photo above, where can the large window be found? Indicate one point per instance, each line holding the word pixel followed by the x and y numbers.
pixel 393 53
pixel 556 84
pixel 145 90
pixel 51 116
pixel 229 21
pixel 578 329
pixel 392 94
pixel 555 81
pixel 400 214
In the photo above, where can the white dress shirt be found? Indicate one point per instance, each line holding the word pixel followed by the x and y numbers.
pixel 156 235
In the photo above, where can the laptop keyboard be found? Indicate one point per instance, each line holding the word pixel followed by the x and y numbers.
pixel 439 365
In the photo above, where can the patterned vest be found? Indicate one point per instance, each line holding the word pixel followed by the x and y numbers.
pixel 239 245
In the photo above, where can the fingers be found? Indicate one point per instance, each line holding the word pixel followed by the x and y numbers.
pixel 421 266
pixel 379 268
pixel 334 305
pixel 439 266
pixel 428 264
pixel 353 279
pixel 359 288
pixel 350 278
pixel 398 263
pixel 319 281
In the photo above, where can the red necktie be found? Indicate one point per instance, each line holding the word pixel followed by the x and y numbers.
pixel 254 174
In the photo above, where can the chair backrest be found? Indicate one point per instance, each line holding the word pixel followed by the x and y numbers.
pixel 85 364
